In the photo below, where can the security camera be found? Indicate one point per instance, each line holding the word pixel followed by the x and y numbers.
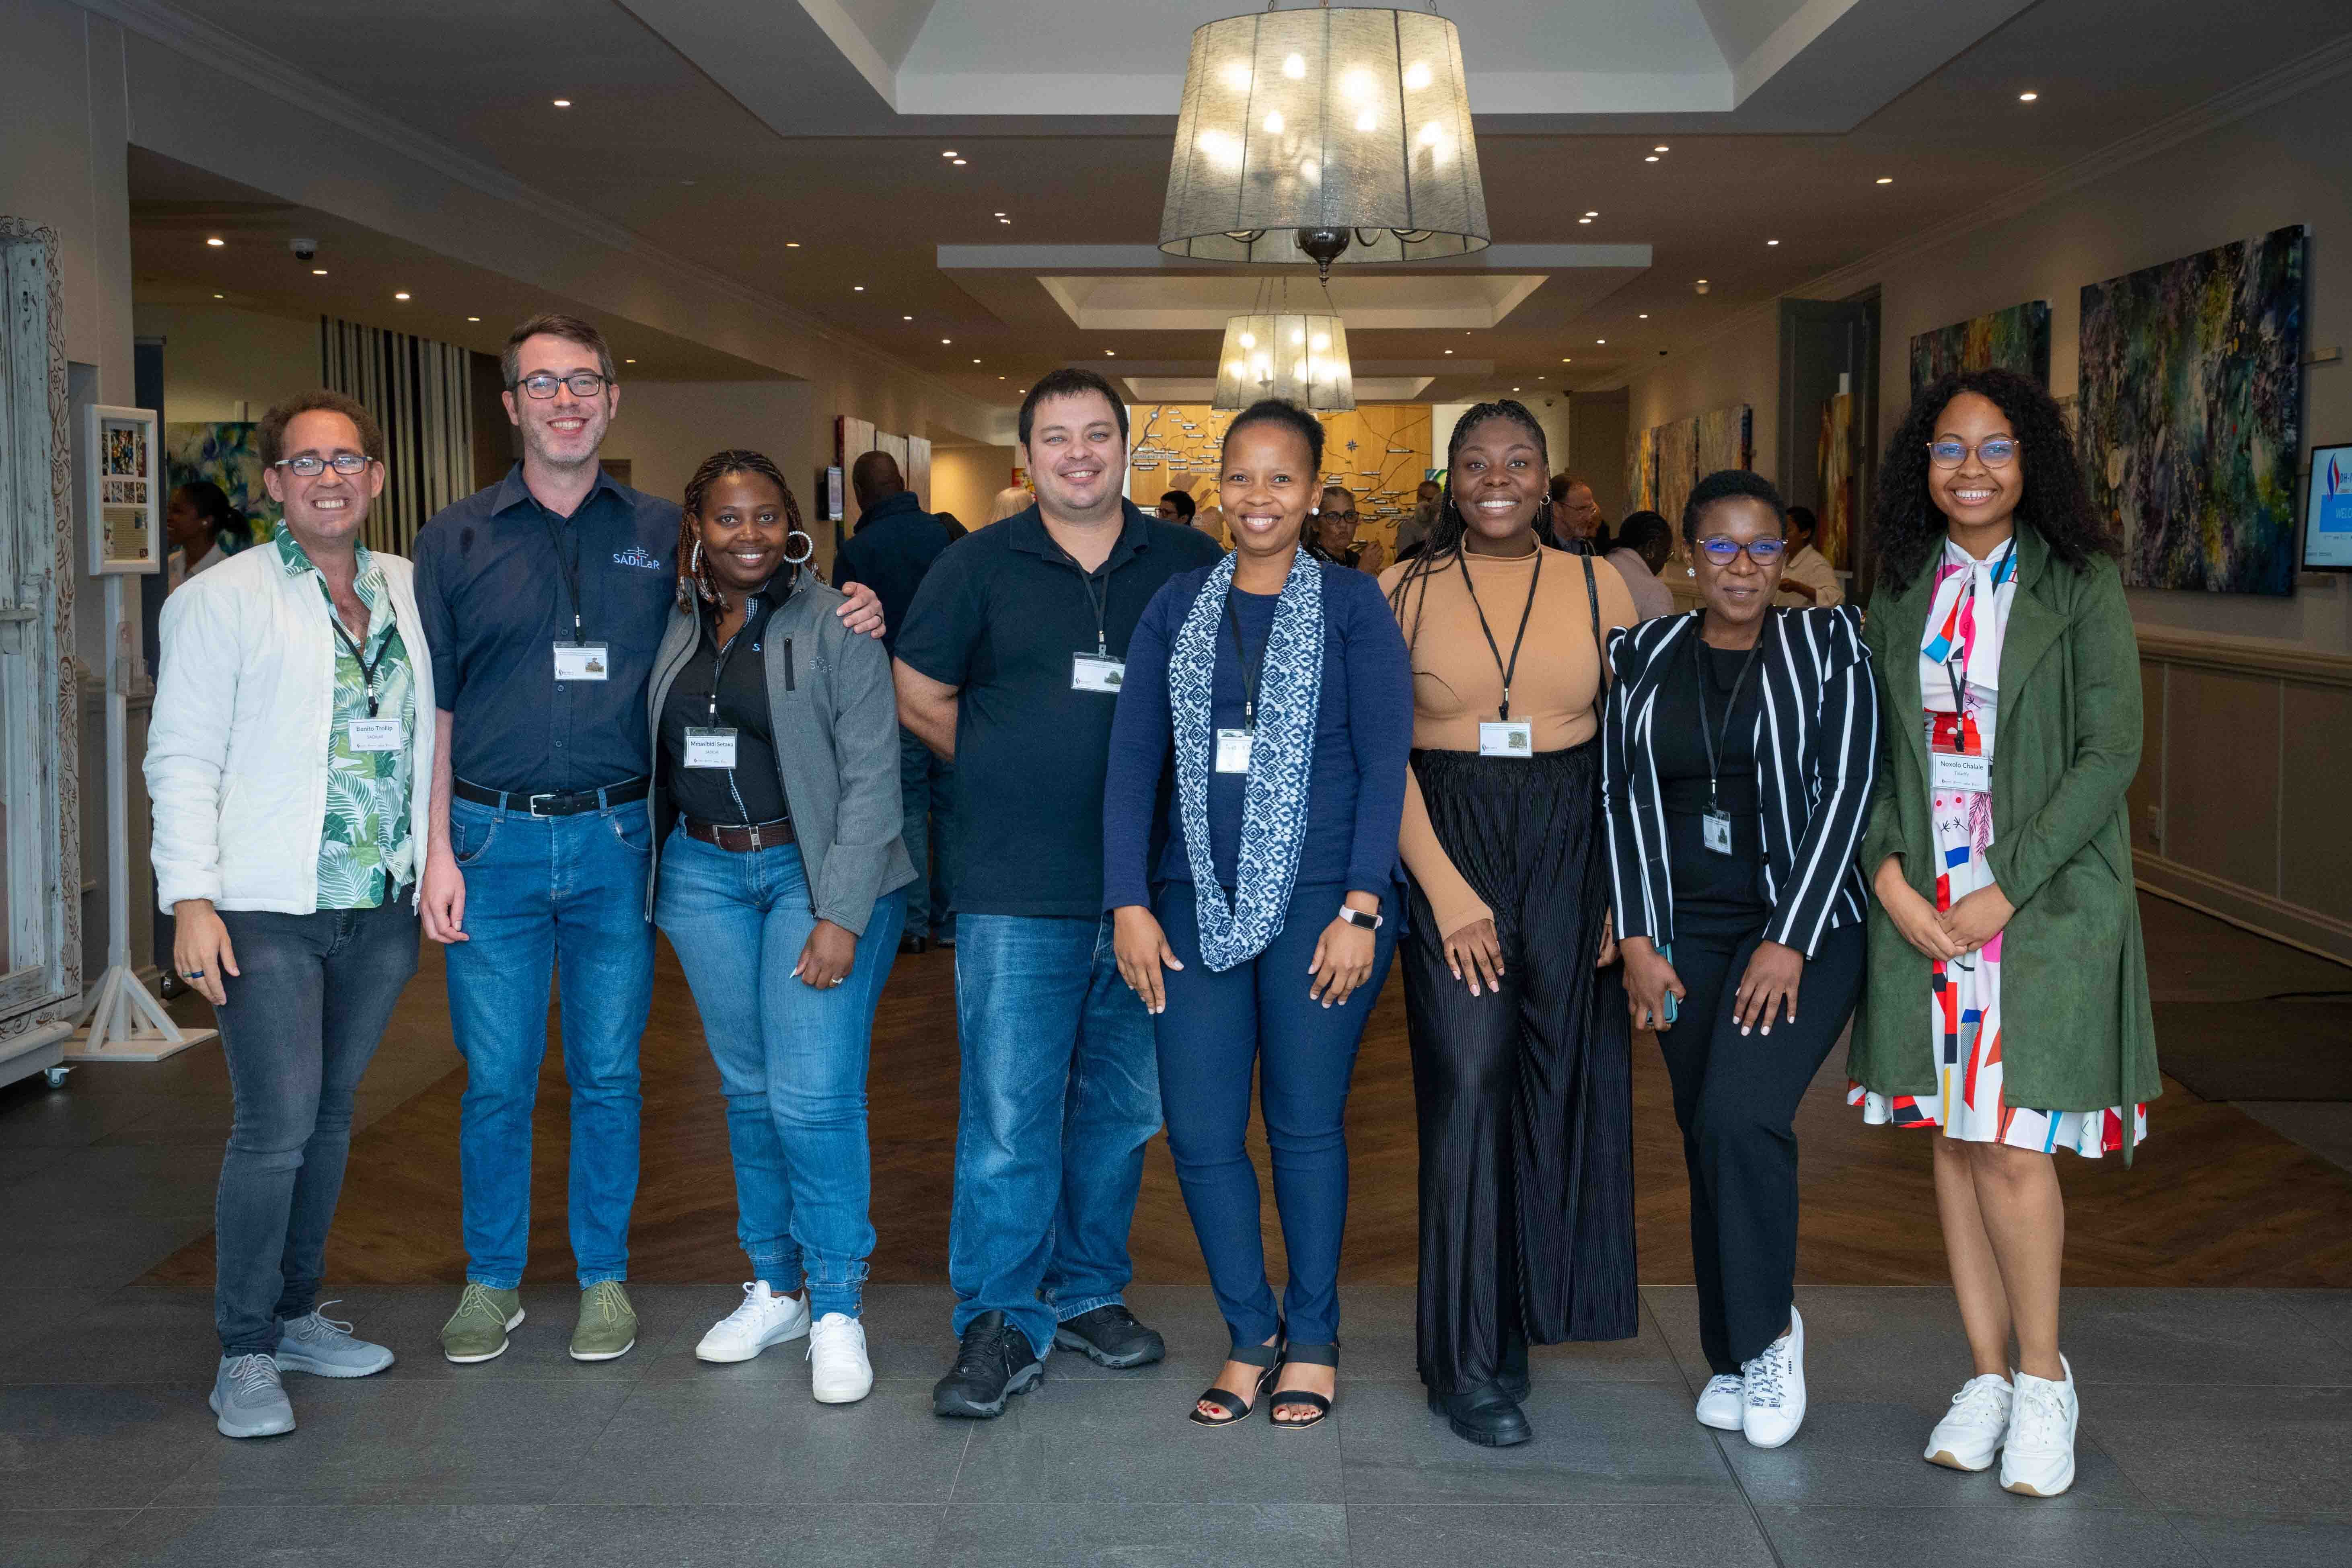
pixel 304 249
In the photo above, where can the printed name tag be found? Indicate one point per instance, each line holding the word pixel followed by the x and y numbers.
pixel 710 748
pixel 374 734
pixel 1232 750
pixel 1715 832
pixel 1094 672
pixel 582 661
pixel 1954 771
pixel 1507 738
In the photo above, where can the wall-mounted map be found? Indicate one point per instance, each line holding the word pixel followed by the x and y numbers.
pixel 1379 451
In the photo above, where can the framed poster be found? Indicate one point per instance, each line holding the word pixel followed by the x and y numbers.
pixel 122 473
pixel 2327 511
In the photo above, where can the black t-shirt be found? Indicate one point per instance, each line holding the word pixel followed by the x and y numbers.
pixel 1000 615
pixel 735 678
pixel 1714 894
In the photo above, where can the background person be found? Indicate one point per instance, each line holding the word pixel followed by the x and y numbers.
pixel 1575 515
pixel 1279 685
pixel 1011 502
pixel 782 888
pixel 1732 855
pixel 1176 506
pixel 1644 544
pixel 1333 532
pixel 1807 577
pixel 203 530
pixel 292 680
pixel 1412 530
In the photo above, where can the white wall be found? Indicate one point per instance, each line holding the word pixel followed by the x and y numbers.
pixel 965 479
pixel 1743 366
pixel 221 363
pixel 665 430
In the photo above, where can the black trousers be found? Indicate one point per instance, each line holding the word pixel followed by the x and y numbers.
pixel 1524 1096
pixel 1735 1098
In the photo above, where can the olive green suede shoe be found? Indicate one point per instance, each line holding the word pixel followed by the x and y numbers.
pixel 476 1331
pixel 608 1324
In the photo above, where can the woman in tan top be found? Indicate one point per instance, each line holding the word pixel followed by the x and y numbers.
pixel 1521 1052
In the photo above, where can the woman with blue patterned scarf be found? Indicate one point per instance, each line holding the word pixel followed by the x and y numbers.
pixel 1274 687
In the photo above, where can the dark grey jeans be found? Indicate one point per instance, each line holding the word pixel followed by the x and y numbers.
pixel 305 1011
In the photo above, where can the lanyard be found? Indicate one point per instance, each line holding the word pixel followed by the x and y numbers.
pixel 1956 668
pixel 367 667
pixel 1252 669
pixel 1511 669
pixel 1718 737
pixel 752 610
pixel 571 568
pixel 1098 603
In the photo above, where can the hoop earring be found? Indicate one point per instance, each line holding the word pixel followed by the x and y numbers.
pixel 807 552
pixel 694 563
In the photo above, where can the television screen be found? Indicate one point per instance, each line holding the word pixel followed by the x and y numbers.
pixel 2327 511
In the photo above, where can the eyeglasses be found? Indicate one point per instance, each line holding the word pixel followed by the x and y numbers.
pixel 1997 451
pixel 585 384
pixel 1723 552
pixel 310 464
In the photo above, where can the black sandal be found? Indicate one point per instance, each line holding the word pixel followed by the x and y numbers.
pixel 1304 1355
pixel 1269 1357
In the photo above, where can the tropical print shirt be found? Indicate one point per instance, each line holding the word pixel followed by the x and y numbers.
pixel 366 849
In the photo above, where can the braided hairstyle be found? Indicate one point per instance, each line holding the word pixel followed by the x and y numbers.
pixel 693 572
pixel 1447 529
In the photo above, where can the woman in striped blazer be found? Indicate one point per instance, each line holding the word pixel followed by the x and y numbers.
pixel 1736 767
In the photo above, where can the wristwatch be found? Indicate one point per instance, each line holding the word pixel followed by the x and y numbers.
pixel 1356 917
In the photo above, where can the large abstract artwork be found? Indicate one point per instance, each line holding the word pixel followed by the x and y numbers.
pixel 226 453
pixel 2188 415
pixel 1663 462
pixel 2016 339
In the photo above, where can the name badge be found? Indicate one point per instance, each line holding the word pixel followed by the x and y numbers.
pixel 710 748
pixel 1715 832
pixel 582 661
pixel 1232 750
pixel 373 735
pixel 1507 738
pixel 1097 672
pixel 1955 771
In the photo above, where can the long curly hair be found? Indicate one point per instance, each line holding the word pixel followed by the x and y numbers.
pixel 1448 528
pixel 1905 528
pixel 693 572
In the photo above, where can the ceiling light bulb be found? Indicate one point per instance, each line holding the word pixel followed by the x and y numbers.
pixel 215 241
pixel 1322 341
pixel 1584 220
pixel 948 153
pixel 473 318
pixel 1651 159
pixel 562 103
pixel 1592 214
pixel 1110 354
pixel 1298 335
pixel 318 272
pixel 1886 179
pixel 906 318
pixel 975 361
pixel 791 245
pixel 1368 121
pixel 2027 97
pixel 1449 350
pixel 858 288
pixel 1000 214
pixel 1646 315
pixel 1659 148
pixel 628 362
pixel 947 339
pixel 1294 67
pixel 220 295
pixel 1772 242
pixel 959 163
pixel 1274 122
pixel 1249 340
pixel 402 295
pixel 1417 77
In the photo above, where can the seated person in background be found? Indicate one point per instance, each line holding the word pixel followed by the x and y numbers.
pixel 1576 516
pixel 1011 502
pixel 1808 578
pixel 203 529
pixel 1335 533
pixel 1175 506
pixel 1645 542
pixel 1412 533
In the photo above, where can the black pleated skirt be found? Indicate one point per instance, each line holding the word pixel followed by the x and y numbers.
pixel 1525 1096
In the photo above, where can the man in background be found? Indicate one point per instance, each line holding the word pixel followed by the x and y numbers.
pixel 1412 533
pixel 1645 542
pixel 1806 575
pixel 1176 507
pixel 1576 516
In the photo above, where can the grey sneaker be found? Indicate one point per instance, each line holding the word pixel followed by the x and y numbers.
pixel 249 1399
pixel 318 1344
pixel 476 1331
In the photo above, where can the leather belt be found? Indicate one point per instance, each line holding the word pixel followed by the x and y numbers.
pixel 568 802
pixel 743 837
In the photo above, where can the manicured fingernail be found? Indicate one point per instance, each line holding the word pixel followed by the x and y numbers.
pixel 1767 1028
pixel 1745 1029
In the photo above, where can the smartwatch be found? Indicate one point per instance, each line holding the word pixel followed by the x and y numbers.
pixel 1356 917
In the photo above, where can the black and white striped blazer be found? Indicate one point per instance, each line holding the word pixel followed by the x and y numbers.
pixel 1816 755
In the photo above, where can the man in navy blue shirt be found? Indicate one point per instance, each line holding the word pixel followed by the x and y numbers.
pixel 895 544
pixel 1011 662
pixel 544 599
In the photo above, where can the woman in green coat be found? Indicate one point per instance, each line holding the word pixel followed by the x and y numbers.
pixel 2006 1004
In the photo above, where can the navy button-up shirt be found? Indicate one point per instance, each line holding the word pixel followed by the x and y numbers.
pixel 496 575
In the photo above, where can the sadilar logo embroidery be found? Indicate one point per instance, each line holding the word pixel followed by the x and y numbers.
pixel 636 555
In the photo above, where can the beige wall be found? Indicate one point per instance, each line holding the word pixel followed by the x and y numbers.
pixel 665 430
pixel 1597 424
pixel 1742 366
pixel 222 363
pixel 965 479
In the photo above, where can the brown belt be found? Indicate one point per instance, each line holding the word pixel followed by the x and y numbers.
pixel 739 836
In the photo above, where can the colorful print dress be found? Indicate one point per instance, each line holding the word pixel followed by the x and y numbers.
pixel 1960 671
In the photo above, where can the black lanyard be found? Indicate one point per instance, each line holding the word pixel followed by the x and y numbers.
pixel 753 611
pixel 367 667
pixel 1956 668
pixel 1718 737
pixel 1098 603
pixel 571 567
pixel 1252 669
pixel 1511 669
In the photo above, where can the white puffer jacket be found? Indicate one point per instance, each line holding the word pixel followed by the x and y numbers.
pixel 237 752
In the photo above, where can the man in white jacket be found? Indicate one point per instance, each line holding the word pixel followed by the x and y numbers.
pixel 289 771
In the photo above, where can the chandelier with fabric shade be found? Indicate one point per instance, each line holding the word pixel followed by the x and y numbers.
pixel 1301 359
pixel 1337 134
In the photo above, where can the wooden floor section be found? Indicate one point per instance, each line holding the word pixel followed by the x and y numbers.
pixel 2215 1197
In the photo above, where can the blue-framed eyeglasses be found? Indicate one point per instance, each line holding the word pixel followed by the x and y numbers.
pixel 1723 552
pixel 1950 451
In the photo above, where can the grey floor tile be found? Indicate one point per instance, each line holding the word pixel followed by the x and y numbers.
pixel 94 1102
pixel 93 1250
pixel 1571 1535
pixel 28 1308
pixel 1377 1336
pixel 1861 1342
pixel 1164 1535
pixel 2331 1310
pixel 2031 1532
pixel 2197 1336
pixel 382 1440
pixel 59 1538
pixel 2231 1451
pixel 1868 1455
pixel 1095 1440
pixel 76 1448
pixel 700 1536
pixel 710 1442
pixel 2323 1543
pixel 21 1161
pixel 386 1536
pixel 2321 1126
pixel 1594 1443
pixel 136 1334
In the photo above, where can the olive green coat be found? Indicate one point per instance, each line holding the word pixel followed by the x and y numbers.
pixel 2076 1032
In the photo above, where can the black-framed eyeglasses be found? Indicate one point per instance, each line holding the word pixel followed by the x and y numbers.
pixel 310 464
pixel 1723 552
pixel 584 383
pixel 1950 451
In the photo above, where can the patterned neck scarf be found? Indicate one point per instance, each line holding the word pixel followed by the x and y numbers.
pixel 1282 752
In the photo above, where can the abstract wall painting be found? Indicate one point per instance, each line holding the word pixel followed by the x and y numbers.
pixel 2015 339
pixel 2189 420
pixel 227 453
pixel 1664 461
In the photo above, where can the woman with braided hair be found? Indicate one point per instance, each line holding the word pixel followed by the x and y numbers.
pixel 780 870
pixel 1518 1032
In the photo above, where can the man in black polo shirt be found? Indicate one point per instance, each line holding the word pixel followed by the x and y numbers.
pixel 1010 662
pixel 544 600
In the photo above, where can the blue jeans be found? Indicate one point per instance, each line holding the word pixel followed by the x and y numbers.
pixel 791 1058
pixel 1258 1019
pixel 544 895
pixel 927 801
pixel 1060 1093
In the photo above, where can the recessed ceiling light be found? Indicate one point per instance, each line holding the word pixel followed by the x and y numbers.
pixel 1601 340
pixel 473 318
pixel 1513 389
pixel 949 153
pixel 1659 148
pixel 906 318
pixel 975 361
pixel 2027 97
pixel 401 295
pixel 1646 315
pixel 791 245
pixel 1449 350
pixel 1584 220
pixel 961 162
pixel 1564 360
pixel 1772 242
pixel 1006 221
pixel 318 272
pixel 215 241
pixel 1110 354
pixel 628 362
pixel 220 295
pixel 1886 179
pixel 1000 214
pixel 947 339
pixel 858 288
pixel 1594 213
pixel 1651 159
pixel 562 103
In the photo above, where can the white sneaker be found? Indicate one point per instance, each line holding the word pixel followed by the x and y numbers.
pixel 764 1319
pixel 839 1372
pixel 1971 1431
pixel 1772 1400
pixel 2037 1459
pixel 1719 1402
